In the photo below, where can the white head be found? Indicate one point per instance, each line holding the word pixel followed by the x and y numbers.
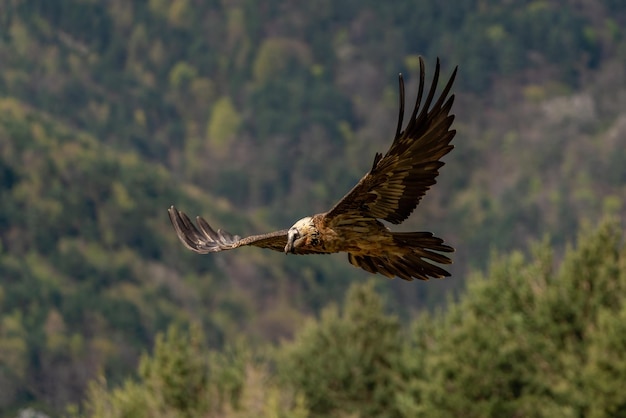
pixel 298 234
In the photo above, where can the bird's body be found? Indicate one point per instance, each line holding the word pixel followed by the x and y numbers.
pixel 390 191
pixel 359 236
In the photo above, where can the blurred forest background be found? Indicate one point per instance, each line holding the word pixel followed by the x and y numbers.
pixel 257 113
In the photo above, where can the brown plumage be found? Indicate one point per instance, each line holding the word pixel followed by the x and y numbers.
pixel 390 191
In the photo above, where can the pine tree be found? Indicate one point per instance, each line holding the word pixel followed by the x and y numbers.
pixel 183 379
pixel 345 363
pixel 517 343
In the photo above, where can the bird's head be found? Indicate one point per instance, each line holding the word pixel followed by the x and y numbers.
pixel 301 233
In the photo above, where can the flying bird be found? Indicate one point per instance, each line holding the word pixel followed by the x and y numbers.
pixel 390 191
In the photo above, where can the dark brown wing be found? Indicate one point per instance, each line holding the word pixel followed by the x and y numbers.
pixel 398 180
pixel 203 239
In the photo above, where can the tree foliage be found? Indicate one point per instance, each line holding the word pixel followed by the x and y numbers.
pixel 345 363
pixel 182 379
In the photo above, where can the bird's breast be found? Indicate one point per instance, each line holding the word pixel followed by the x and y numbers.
pixel 358 237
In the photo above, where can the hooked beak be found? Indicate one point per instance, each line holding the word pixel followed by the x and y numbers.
pixel 291 237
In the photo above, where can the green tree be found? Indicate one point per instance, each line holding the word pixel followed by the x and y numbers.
pixel 276 55
pixel 224 123
pixel 183 379
pixel 607 365
pixel 517 343
pixel 347 362
pixel 13 356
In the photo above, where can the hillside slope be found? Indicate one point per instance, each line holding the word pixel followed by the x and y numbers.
pixel 254 115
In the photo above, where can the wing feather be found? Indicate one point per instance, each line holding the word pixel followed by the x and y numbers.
pixel 397 181
pixel 203 239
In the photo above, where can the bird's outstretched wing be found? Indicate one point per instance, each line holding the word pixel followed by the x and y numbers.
pixel 397 181
pixel 203 239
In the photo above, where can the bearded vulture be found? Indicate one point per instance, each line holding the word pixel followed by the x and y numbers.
pixel 390 191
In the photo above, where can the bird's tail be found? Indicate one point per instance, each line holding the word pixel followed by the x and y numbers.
pixel 419 250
